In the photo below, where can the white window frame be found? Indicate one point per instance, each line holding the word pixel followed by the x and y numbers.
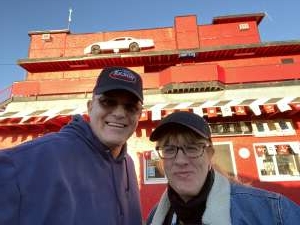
pixel 242 133
pixel 267 132
pixel 276 177
pixel 232 156
pixel 152 180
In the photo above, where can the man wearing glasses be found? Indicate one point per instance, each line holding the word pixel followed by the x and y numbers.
pixel 82 174
pixel 199 194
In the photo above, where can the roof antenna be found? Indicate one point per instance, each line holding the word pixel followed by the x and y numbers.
pixel 70 18
pixel 268 16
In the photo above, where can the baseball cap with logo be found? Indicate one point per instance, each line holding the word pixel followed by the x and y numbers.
pixel 119 78
pixel 183 119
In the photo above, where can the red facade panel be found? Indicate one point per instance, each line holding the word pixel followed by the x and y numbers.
pixel 186 32
pixel 228 34
pixel 33 88
pixel 263 73
pixel 190 73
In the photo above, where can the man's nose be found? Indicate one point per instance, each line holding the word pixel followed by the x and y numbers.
pixel 120 109
pixel 181 156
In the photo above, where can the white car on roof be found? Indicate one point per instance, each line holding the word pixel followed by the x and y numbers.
pixel 119 44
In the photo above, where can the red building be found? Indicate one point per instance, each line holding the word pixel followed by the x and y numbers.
pixel 248 90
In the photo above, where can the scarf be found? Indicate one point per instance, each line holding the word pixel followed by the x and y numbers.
pixel 190 212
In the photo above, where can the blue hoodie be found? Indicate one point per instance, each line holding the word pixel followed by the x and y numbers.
pixel 68 177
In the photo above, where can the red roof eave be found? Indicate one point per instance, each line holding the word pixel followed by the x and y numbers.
pixel 160 57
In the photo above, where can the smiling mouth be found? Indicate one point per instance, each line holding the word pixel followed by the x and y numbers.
pixel 118 125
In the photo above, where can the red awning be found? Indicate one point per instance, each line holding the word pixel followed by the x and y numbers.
pixel 34 112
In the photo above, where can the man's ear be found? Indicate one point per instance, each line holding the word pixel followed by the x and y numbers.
pixel 89 105
pixel 140 114
pixel 211 150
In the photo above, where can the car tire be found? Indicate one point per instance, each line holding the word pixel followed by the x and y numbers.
pixel 134 47
pixel 95 49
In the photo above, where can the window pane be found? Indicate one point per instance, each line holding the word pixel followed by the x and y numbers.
pixel 260 127
pixel 283 125
pixel 222 158
pixel 154 168
pixel 246 127
pixel 286 165
pixel 268 166
pixel 278 160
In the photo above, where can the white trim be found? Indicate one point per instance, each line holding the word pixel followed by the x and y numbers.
pixel 209 103
pixel 156 111
pixel 267 132
pixel 295 147
pixel 226 110
pixel 282 104
pixel 254 106
pixel 183 105
pixel 198 111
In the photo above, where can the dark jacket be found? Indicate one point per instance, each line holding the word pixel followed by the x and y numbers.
pixel 235 204
pixel 67 178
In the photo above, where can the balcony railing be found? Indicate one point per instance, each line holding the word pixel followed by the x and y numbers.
pixel 5 94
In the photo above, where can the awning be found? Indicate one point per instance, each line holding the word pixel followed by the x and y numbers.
pixel 226 108
pixel 33 112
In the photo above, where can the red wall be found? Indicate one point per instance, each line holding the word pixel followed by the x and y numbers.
pixel 184 34
pixel 192 72
pixel 227 34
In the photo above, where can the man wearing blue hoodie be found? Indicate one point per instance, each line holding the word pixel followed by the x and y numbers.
pixel 82 174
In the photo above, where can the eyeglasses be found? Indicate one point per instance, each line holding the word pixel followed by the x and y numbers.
pixel 192 150
pixel 111 103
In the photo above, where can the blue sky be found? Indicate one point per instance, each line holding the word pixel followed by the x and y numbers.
pixel 18 17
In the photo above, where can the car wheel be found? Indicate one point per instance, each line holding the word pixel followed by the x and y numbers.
pixel 134 47
pixel 95 49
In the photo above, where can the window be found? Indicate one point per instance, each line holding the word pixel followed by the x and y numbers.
pixel 153 172
pixel 231 128
pixel 287 61
pixel 260 127
pixel 278 161
pixel 283 125
pixel 224 158
pixel 244 26
pixel 273 128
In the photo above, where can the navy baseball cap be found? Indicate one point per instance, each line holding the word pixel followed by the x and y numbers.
pixel 185 119
pixel 119 78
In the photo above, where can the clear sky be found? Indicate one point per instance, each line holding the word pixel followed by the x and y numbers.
pixel 18 17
